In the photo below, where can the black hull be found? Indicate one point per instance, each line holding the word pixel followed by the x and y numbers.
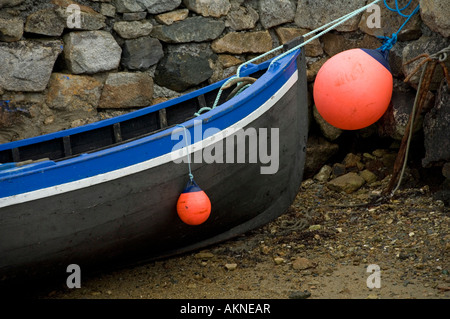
pixel 127 220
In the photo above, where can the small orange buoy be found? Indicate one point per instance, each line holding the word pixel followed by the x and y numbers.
pixel 193 206
pixel 353 89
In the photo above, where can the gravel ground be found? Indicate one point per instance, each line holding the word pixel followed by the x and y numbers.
pixel 329 245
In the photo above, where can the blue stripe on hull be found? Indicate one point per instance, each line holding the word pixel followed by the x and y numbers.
pixel 134 152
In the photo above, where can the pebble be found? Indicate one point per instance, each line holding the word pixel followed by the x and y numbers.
pixel 314 227
pixel 278 260
pixel 324 174
pixel 204 255
pixel 230 266
pixel 368 176
pixel 347 183
pixel 301 263
pixel 265 250
pixel 299 294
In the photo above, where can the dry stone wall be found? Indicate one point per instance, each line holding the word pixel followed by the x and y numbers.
pixel 65 63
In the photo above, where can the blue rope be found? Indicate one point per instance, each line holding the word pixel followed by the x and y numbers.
pixel 388 42
pixel 187 152
pixel 330 25
pixel 397 9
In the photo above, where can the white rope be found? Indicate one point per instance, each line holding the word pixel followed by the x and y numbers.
pixel 333 24
pixel 329 26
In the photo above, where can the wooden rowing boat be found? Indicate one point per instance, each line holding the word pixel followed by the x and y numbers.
pixel 106 192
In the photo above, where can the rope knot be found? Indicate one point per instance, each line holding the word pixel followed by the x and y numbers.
pixel 388 43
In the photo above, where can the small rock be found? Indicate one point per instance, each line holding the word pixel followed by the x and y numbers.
pixel 372 296
pixel 299 294
pixel 338 169
pixel 347 183
pixel 127 6
pixel 29 64
pixel 77 94
pixel 91 52
pixel 368 176
pixel 133 29
pixel 127 89
pixel 301 263
pixel 214 8
pixel 243 18
pixel 314 227
pixel 243 42
pixel 379 152
pixel 170 17
pixel 278 260
pixel 275 12
pixel 11 29
pixel 108 10
pixel 46 22
pixel 265 250
pixel 179 71
pixel 230 266
pixel 351 160
pixel 134 16
pixel 204 255
pixel 369 156
pixel 141 53
pixel 158 6
pixel 195 29
pixel 323 174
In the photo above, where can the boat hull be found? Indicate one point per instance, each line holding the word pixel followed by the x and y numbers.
pixel 133 217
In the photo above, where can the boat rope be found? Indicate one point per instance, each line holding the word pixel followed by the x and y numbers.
pixel 328 27
pixel 388 42
pixel 187 153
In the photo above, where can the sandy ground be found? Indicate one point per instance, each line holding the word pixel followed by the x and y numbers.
pixel 328 245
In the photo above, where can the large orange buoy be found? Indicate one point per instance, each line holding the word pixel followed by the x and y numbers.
pixel 193 206
pixel 353 89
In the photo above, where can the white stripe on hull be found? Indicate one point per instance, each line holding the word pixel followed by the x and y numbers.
pixel 154 162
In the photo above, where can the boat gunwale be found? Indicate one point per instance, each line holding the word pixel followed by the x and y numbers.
pixel 250 68
pixel 270 76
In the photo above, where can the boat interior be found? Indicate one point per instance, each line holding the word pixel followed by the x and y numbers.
pixel 122 129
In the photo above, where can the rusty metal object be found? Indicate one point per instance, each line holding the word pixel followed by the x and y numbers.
pixel 429 65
